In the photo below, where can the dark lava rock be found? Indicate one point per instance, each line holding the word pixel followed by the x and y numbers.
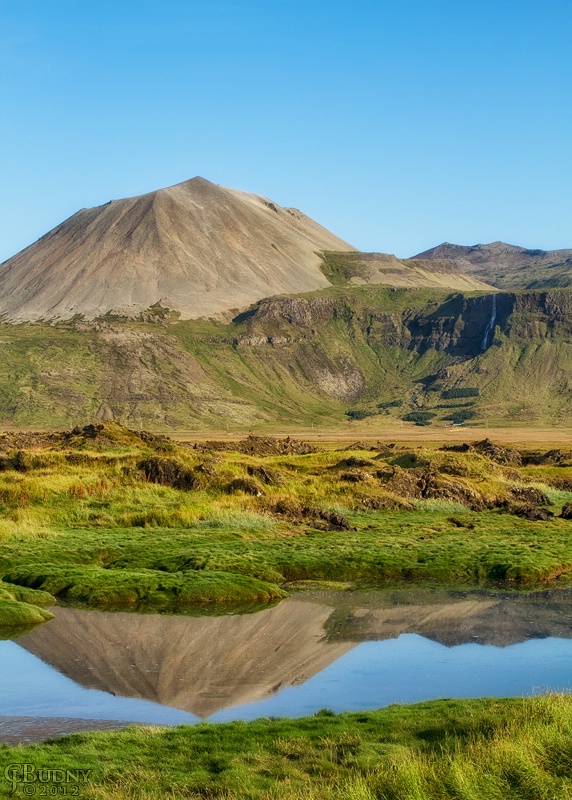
pixel 565 484
pixel 353 461
pixel 333 521
pixel 322 518
pixel 410 461
pixel 532 513
pixel 359 446
pixel 153 438
pixel 209 467
pixel 266 476
pixel 458 448
pixel 88 431
pixel 262 446
pixel 558 458
pixel 530 496
pixel 566 511
pixel 355 476
pixel 501 455
pixel 247 485
pixel 169 472
pixel 425 484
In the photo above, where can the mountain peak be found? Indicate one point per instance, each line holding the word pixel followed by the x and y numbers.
pixel 198 183
pixel 196 247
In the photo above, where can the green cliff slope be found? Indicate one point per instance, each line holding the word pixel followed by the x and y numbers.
pixel 421 355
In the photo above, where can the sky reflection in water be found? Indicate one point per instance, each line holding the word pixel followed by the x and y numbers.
pixel 292 660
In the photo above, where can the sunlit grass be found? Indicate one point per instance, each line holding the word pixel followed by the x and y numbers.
pixel 517 749
pixel 258 517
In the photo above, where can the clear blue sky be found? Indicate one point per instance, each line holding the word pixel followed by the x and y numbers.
pixel 398 124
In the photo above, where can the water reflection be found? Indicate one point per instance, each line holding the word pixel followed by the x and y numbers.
pixel 453 618
pixel 199 664
pixel 303 654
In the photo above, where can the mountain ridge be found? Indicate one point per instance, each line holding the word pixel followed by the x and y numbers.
pixel 313 358
pixel 199 249
pixel 277 321
pixel 506 266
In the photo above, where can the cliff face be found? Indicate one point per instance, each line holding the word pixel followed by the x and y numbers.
pixel 301 359
pixel 455 326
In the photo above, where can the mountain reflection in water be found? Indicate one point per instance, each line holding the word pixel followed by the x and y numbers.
pixel 199 664
pixel 205 664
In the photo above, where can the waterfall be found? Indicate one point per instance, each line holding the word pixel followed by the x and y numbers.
pixel 491 324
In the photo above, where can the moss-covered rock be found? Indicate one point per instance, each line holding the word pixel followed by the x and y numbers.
pixel 23 594
pixel 22 607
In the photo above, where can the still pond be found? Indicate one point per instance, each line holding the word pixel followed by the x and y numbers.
pixel 337 650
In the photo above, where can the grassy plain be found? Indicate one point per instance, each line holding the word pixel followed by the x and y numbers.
pixel 403 433
pixel 111 519
pixel 518 749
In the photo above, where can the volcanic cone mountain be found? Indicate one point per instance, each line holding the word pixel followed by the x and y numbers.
pixel 196 247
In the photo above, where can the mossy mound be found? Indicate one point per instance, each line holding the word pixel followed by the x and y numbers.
pixel 103 435
pixel 143 588
pixel 22 607
pixel 114 528
pixel 23 594
pixel 16 614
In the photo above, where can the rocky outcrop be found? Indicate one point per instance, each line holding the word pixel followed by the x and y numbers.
pixel 169 472
pixel 299 311
pixel 455 326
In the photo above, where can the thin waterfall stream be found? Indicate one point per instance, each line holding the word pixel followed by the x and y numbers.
pixel 491 324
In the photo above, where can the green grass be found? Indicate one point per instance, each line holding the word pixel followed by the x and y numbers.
pixel 80 522
pixel 88 528
pixel 339 268
pixel 100 567
pixel 301 360
pixel 152 589
pixel 21 607
pixel 14 614
pixel 517 749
